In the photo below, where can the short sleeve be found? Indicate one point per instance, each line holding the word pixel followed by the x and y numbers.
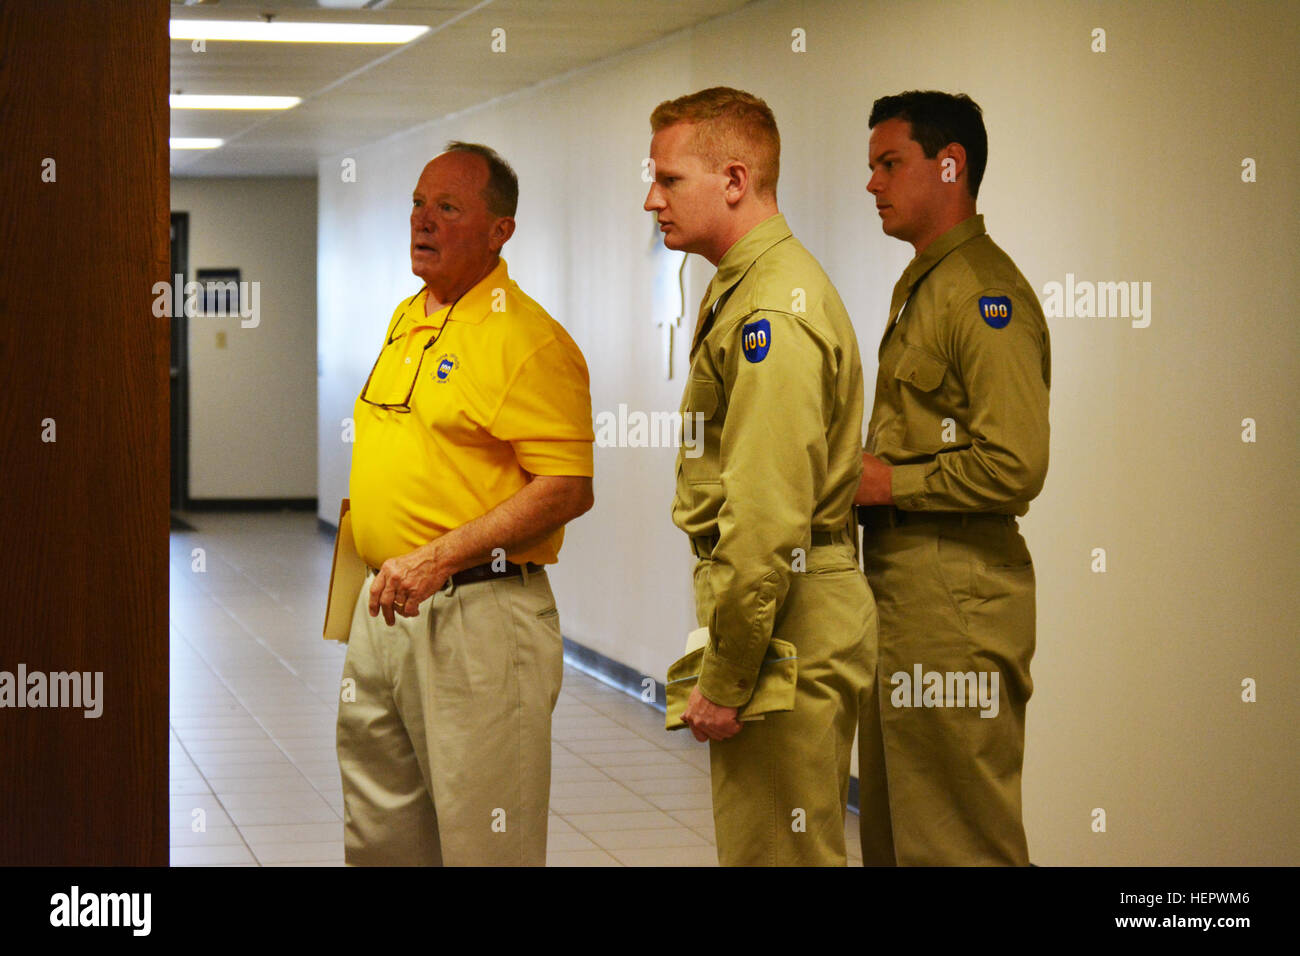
pixel 546 412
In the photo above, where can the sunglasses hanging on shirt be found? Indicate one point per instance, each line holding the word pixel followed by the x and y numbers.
pixel 405 404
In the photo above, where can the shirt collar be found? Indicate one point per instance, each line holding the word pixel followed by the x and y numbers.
pixel 746 250
pixel 965 230
pixel 471 308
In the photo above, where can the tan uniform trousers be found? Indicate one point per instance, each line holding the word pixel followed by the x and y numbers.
pixel 940 785
pixel 446 751
pixel 781 785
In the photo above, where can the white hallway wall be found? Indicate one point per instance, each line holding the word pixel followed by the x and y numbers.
pixel 253 403
pixel 1122 165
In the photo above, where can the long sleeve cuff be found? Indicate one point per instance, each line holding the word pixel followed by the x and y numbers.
pixel 726 682
pixel 907 485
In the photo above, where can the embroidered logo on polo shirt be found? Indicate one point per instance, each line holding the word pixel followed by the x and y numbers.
pixel 995 310
pixel 447 363
pixel 756 339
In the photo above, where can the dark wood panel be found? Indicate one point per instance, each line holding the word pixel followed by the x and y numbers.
pixel 83 526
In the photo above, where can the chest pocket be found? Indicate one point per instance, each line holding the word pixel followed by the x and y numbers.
pixel 701 432
pixel 920 369
pixel 919 379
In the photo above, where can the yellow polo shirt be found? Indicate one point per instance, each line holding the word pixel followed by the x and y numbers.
pixel 502 393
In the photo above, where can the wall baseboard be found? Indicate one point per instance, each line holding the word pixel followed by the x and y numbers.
pixel 251 504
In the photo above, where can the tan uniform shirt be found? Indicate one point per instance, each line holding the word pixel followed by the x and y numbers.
pixel 777 379
pixel 961 393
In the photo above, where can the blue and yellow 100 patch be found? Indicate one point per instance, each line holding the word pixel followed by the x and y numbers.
pixel 447 363
pixel 995 310
pixel 756 339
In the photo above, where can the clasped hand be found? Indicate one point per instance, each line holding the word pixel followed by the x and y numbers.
pixel 403 583
pixel 710 721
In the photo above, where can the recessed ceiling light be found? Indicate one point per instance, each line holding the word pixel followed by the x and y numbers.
pixel 259 31
pixel 193 142
pixel 198 101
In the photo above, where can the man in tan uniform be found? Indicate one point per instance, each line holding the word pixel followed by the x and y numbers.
pixel 776 377
pixel 956 449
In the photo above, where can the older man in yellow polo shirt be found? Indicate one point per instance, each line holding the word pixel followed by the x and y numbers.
pixel 473 449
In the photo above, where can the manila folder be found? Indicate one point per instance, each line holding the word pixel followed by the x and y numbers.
pixel 346 577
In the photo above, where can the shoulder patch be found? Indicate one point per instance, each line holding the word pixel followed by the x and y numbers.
pixel 756 339
pixel 995 310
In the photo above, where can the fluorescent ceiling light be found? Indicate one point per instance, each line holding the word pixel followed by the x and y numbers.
pixel 197 101
pixel 182 142
pixel 279 32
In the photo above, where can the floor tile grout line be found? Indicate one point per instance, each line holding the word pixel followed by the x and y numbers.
pixel 215 796
pixel 216 599
pixel 258 640
pixel 265 729
pixel 227 684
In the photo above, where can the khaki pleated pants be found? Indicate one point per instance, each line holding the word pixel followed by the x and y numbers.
pixel 445 752
pixel 781 785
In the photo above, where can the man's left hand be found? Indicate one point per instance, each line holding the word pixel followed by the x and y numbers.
pixel 710 721
pixel 404 582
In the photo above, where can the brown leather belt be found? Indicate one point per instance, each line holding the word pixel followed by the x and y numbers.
pixel 486 572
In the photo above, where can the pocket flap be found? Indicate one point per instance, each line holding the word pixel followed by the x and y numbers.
pixel 920 369
pixel 703 397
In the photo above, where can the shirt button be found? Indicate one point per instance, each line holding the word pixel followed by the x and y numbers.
pixel 408 360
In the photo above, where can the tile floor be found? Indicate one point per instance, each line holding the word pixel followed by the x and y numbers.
pixel 254 779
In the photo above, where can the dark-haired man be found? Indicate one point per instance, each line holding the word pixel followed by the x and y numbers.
pixel 777 381
pixel 956 448
pixel 473 449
